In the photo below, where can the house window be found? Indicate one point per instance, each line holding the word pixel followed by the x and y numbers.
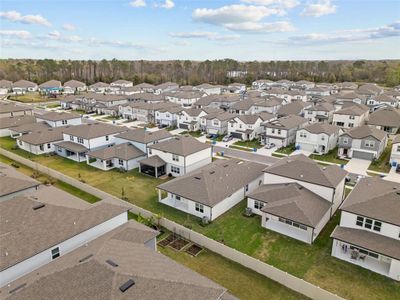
pixel 398 148
pixel 368 223
pixel 345 141
pixel 107 138
pixel 175 157
pixel 80 140
pixel 48 146
pixel 258 204
pixel 178 197
pixel 121 162
pixel 279 131
pixel 71 138
pixel 340 124
pixel 41 147
pixel 199 207
pixel 246 188
pixel 20 142
pixel 351 117
pixel 322 138
pixel 175 170
pixel 273 130
pixel 150 152
pixel 215 122
pixel 55 253
pixel 369 144
pixel 303 135
pixel 64 122
pixel 351 125
pixel 291 223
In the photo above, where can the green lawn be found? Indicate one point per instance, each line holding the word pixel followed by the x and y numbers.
pixel 287 150
pixel 312 263
pixel 54 105
pixel 33 97
pixel 112 118
pixel 197 133
pixel 279 155
pixel 331 156
pixel 241 148
pixel 382 164
pixel 250 144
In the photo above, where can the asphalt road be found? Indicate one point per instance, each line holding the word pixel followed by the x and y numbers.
pixel 266 160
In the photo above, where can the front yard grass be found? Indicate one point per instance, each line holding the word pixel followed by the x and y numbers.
pixel 196 134
pixel 287 150
pixel 249 144
pixel 241 148
pixel 331 156
pixel 33 97
pixel 313 263
pixel 111 118
pixel 383 163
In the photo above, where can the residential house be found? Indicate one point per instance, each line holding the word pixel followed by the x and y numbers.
pixel 144 112
pixel 298 197
pixel 282 131
pixel 395 153
pixel 165 87
pixel 369 90
pixel 121 84
pixel 51 230
pixel 209 89
pixel 10 109
pixel 248 127
pixel 74 86
pixel 168 117
pixel 122 263
pixel 212 190
pixel 51 87
pixel 21 87
pixel 80 139
pixel 28 128
pixel 294 108
pixel 99 87
pixel 319 113
pixel 244 107
pixel 305 84
pixel 224 101
pixel 351 115
pixel 287 96
pixel 6 124
pixel 270 105
pixel 189 119
pixel 176 156
pixel 346 96
pixel 40 142
pixel 216 123
pixel 14 183
pixel 122 156
pixel 5 86
pixel 347 86
pixel 147 97
pixel 237 87
pixel 283 83
pixel 368 233
pixel 262 84
pixel 145 87
pixel 362 142
pixel 183 98
pixel 317 92
pixel 318 137
pixel 142 138
pixel 386 119
pixel 55 119
pixel 377 101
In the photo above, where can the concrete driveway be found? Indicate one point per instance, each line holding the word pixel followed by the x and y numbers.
pixel 393 176
pixel 357 166
pixel 306 153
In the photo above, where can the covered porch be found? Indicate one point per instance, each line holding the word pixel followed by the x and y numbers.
pixel 71 150
pixel 153 166
pixel 103 164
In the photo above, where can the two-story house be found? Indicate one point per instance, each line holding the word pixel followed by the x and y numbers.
pixel 382 100
pixel 395 153
pixel 362 142
pixel 183 98
pixel 318 137
pixel 99 87
pixel 368 233
pixel 386 119
pixel 248 127
pixel 168 116
pixel 352 115
pixel 262 84
pixel 55 119
pixel 282 131
pixel 294 108
pixel 216 123
pixel 21 87
pixel 80 139
pixel 298 197
pixel 321 112
pixel 176 156
pixel 74 86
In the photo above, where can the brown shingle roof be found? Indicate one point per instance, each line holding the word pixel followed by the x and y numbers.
pixel 375 198
pixel 12 107
pixel 43 136
pixel 93 130
pixel 144 136
pixel 293 108
pixel 213 183
pixel 57 116
pixel 74 84
pixel 365 131
pixel 286 122
pixel 10 185
pixel 181 145
pixel 385 117
pixel 124 151
pixel 302 168
pixel 354 110
pixel 322 128
pixel 10 122
pixel 24 84
pixel 51 84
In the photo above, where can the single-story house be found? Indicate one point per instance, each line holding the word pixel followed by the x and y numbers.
pixel 9 109
pixel 40 142
pixel 21 87
pixel 56 119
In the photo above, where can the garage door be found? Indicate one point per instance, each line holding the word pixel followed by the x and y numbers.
pixel 363 155
pixel 184 126
pixel 236 135
pixel 306 147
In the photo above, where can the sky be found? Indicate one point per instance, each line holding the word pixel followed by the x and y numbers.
pixel 244 30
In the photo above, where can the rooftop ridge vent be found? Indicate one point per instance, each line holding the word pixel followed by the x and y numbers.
pixel 38 206
pixel 85 258
pixel 112 263
pixel 127 285
pixel 17 288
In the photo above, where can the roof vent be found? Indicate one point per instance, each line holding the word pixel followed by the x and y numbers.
pixel 111 263
pixel 38 206
pixel 398 193
pixel 300 187
pixel 17 288
pixel 127 285
pixel 301 175
pixel 198 178
pixel 212 172
pixel 85 258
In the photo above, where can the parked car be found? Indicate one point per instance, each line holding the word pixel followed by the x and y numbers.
pixel 269 145
pixel 227 138
pixel 211 136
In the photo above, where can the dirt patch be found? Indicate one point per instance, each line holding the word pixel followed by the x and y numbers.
pixel 178 244
pixel 168 240
pixel 263 252
pixel 194 250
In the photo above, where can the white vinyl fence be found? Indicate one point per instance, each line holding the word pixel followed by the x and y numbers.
pixel 292 282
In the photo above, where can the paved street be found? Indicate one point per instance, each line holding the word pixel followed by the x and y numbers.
pixel 267 160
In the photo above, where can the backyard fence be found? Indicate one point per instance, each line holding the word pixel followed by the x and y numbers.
pixel 292 282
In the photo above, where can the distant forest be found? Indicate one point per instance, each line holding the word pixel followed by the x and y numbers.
pixel 384 72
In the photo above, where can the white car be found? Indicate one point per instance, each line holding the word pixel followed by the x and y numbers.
pixel 269 145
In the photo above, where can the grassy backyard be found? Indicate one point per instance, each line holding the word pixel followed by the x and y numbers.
pixel 33 97
pixel 312 263
pixel 382 164
pixel 331 156
pixel 287 150
pixel 250 144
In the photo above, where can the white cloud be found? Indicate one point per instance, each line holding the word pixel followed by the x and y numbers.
pixel 354 35
pixel 57 36
pixel 138 3
pixel 259 27
pixel 204 35
pixel 15 16
pixel 318 9
pixel 20 34
pixel 277 3
pixel 69 27
pixel 168 4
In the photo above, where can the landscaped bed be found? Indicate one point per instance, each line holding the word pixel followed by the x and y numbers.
pixel 168 240
pixel 194 250
pixel 249 144
pixel 287 150
pixel 178 244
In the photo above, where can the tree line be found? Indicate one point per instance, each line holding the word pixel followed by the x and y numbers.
pixel 186 72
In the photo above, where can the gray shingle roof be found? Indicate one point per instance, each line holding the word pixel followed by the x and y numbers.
pixel 144 136
pixel 353 109
pixel 10 185
pixel 302 168
pixel 51 84
pixel 57 116
pixel 293 108
pixel 365 131
pixel 287 122
pixel 24 84
pixel 385 117
pixel 181 145
pixel 93 130
pixel 43 136
pixel 322 128
pixel 12 107
pixel 213 183
pixel 10 122
pixel 124 151
pixel 74 84
pixel 375 198
pixel 292 201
